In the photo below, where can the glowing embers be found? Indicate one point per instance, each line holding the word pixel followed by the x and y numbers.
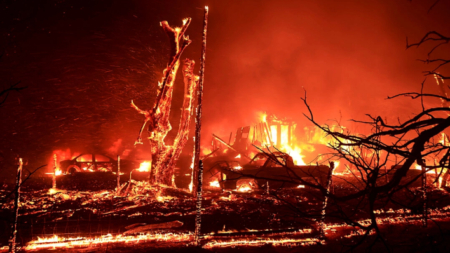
pixel 214 184
pixel 237 167
pixel 246 185
pixel 56 242
pixel 265 241
pixel 58 172
pixel 145 166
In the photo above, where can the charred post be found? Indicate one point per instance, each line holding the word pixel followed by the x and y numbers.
pixel 198 218
pixel 12 244
pixel 118 173
pixel 424 196
pixel 325 201
pixel 198 118
pixel 54 172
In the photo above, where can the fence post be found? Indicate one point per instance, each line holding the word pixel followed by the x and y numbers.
pixel 424 195
pixel 12 244
pixel 198 218
pixel 325 201
pixel 54 172
pixel 118 173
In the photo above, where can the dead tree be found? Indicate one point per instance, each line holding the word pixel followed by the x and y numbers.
pixel 164 157
pixel 398 146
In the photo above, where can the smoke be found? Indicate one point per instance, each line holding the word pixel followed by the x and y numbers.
pixel 83 68
pixel 347 57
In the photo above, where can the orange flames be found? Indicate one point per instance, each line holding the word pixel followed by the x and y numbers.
pixel 237 167
pixel 145 166
pixel 246 185
pixel 277 134
pixel 214 184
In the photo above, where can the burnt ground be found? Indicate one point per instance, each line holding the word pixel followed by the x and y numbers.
pixel 86 205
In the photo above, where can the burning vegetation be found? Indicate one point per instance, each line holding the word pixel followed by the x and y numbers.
pixel 274 183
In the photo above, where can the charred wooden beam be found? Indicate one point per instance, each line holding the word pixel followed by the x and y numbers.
pixel 230 147
pixel 142 228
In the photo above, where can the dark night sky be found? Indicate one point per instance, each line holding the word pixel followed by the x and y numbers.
pixel 83 62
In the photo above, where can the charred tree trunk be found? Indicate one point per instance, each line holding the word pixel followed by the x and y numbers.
pixel 12 244
pixel 169 158
pixel 164 157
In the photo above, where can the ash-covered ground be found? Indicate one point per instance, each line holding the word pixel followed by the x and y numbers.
pixel 87 206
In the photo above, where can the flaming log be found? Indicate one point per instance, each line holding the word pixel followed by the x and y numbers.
pixel 164 157
pixel 12 244
pixel 146 228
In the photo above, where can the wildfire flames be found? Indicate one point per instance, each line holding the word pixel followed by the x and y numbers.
pixel 278 133
pixel 214 184
pixel 145 166
pixel 269 149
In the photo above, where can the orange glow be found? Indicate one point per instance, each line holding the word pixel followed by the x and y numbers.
pixel 261 242
pixel 214 184
pixel 56 242
pixel 245 188
pixel 295 153
pixel 145 166
pixel 262 116
pixel 206 151
pixel 277 134
pixel 417 167
pixel 238 167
